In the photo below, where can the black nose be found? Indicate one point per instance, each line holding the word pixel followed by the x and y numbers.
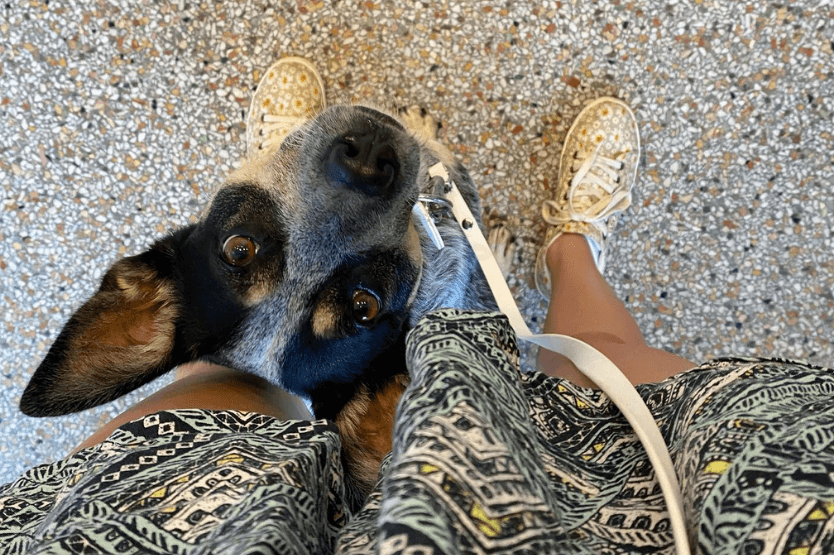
pixel 363 162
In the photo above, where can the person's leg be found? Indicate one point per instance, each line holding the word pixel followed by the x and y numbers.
pixel 202 385
pixel 596 176
pixel 583 306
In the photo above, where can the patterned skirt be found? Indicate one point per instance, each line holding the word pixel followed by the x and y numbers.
pixel 485 459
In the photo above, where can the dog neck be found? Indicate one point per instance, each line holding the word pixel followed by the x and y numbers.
pixel 363 412
pixel 330 399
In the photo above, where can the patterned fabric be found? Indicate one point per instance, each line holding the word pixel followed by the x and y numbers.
pixel 485 459
pixel 186 481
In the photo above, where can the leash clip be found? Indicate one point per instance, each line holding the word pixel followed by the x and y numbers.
pixel 430 208
pixel 440 180
pixel 427 220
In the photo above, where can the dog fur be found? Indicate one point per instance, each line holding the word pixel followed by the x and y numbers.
pixel 307 270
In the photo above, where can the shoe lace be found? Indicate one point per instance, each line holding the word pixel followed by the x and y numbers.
pixel 585 202
pixel 273 131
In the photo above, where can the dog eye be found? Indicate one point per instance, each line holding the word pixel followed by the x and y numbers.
pixel 239 250
pixel 365 306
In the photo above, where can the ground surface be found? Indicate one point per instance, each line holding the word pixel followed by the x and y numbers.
pixel 119 118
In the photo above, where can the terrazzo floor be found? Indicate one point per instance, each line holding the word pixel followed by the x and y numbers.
pixel 119 118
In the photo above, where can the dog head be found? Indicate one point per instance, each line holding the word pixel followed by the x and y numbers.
pixel 306 269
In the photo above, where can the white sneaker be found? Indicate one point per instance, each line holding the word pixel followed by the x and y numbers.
pixel 596 175
pixel 290 92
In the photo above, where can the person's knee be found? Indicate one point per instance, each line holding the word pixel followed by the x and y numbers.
pixel 198 368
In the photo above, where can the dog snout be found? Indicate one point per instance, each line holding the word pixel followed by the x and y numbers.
pixel 365 161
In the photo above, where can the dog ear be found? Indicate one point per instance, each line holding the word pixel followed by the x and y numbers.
pixel 120 339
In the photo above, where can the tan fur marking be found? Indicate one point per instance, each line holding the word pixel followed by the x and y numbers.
pixel 133 322
pixel 136 326
pixel 366 426
pixel 258 292
pixel 324 319
pixel 129 331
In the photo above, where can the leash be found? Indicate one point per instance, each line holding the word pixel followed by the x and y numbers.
pixel 596 366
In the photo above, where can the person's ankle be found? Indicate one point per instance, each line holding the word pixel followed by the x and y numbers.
pixel 567 244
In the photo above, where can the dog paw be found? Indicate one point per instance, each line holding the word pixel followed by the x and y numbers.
pixel 503 245
pixel 420 121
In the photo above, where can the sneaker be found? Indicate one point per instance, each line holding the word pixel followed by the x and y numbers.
pixel 596 174
pixel 289 93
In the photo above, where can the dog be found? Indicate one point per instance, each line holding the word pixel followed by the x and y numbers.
pixel 307 269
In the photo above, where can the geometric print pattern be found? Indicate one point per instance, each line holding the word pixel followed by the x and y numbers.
pixel 187 481
pixel 486 459
pixel 461 479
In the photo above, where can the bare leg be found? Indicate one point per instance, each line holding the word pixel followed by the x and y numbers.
pixel 202 385
pixel 583 306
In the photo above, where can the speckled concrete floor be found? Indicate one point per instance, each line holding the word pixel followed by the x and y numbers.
pixel 120 117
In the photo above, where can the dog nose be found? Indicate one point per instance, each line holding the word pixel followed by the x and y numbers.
pixel 364 162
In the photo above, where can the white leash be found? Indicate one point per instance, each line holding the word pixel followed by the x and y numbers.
pixel 593 364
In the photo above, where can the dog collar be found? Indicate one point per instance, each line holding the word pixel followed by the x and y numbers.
pixel 596 366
